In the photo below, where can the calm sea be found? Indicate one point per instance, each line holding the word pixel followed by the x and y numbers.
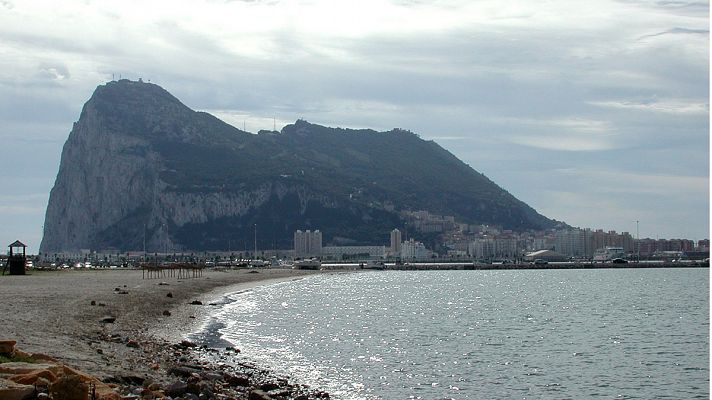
pixel 545 334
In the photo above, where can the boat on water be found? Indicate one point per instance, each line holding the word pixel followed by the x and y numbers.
pixel 312 263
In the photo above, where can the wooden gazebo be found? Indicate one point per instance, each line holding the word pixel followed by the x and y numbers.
pixel 16 259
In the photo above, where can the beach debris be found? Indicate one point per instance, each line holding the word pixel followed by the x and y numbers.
pixel 196 303
pixel 102 305
pixel 184 344
pixel 237 380
pixel 166 313
pixel 183 371
pixel 267 386
pixel 132 343
pixel 176 389
pixel 108 319
pixel 258 394
pixel 169 294
pixel 133 379
pixel 93 302
pixel 163 284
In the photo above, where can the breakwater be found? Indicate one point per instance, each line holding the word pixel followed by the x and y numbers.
pixel 428 266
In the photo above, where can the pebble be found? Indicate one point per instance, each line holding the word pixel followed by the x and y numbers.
pixel 175 389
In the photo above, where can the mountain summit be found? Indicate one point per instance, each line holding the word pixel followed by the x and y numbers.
pixel 141 167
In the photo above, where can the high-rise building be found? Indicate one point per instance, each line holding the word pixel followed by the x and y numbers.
pixel 307 244
pixel 414 250
pixel 573 243
pixel 396 242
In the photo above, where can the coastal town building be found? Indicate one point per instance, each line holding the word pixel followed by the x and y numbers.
pixel 307 244
pixel 414 250
pixel 573 243
pixel 396 240
pixel 425 222
pixel 495 247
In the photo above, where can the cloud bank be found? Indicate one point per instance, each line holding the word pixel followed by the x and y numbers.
pixel 519 90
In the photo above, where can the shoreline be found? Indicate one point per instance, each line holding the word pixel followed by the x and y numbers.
pixel 65 314
pixel 197 317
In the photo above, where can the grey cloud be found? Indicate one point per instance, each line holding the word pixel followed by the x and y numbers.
pixel 677 7
pixel 677 31
pixel 481 86
pixel 54 71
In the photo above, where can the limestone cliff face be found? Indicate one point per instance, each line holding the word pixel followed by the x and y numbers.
pixel 109 193
pixel 141 169
pixel 98 184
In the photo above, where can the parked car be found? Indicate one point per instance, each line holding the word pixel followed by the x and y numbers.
pixel 619 261
pixel 539 261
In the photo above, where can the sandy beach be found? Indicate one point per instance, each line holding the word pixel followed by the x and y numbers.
pixel 52 313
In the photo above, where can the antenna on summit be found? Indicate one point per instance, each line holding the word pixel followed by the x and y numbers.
pixel 274 124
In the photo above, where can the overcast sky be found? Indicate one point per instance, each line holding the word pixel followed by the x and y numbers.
pixel 593 112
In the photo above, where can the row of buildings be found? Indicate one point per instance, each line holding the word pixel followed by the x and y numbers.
pixel 490 243
pixel 309 244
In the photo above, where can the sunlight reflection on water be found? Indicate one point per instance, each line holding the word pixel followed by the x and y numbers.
pixel 482 334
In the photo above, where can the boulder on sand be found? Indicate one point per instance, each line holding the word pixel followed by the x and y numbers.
pixel 69 387
pixel 22 368
pixel 31 378
pixel 7 347
pixel 10 390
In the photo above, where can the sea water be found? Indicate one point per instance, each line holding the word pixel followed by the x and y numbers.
pixel 553 334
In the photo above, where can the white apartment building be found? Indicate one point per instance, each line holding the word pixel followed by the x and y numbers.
pixel 307 244
pixel 573 243
pixel 494 248
pixel 412 250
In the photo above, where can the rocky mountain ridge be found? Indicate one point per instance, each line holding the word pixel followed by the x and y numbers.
pixel 141 167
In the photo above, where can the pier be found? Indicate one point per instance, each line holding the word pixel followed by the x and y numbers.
pixel 176 270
